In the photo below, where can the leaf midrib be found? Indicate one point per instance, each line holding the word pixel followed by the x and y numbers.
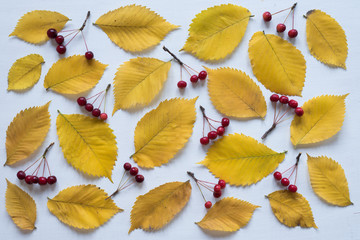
pixel 240 157
pixel 68 79
pixel 81 204
pixel 288 206
pixel 30 70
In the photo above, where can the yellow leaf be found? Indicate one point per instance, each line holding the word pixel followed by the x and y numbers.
pixel 20 206
pixel 134 28
pixel 162 132
pixel 159 206
pixel 326 39
pixel 328 180
pixel 241 160
pixel 73 75
pixel 291 209
pixel 88 144
pixel 26 133
pixel 217 31
pixel 32 27
pixel 277 64
pixel 228 215
pixel 138 81
pixel 83 206
pixel 322 119
pixel 235 94
pixel 25 72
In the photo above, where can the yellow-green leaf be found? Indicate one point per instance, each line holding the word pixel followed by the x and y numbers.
pixel 134 28
pixel 326 39
pixel 73 75
pixel 235 94
pixel 328 180
pixel 277 64
pixel 88 144
pixel 322 119
pixel 217 31
pixel 241 160
pixel 32 26
pixel 26 133
pixel 228 215
pixel 83 206
pixel 138 81
pixel 159 206
pixel 20 206
pixel 291 209
pixel 25 72
pixel 162 132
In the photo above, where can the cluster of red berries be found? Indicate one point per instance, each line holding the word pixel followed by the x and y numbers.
pixel 96 112
pixel 134 172
pixel 281 27
pixel 285 181
pixel 285 100
pixel 214 132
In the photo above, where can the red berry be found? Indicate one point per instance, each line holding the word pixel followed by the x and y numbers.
pixel 208 204
pixel 139 178
pixel 134 171
pixel 285 182
pixel 292 103
pixel 96 112
pixel 52 33
pixel 194 79
pixel 212 135
pixel 89 55
pixel 103 116
pixel 127 166
pixel 81 101
pixel 220 131
pixel 59 39
pixel 217 188
pixel 42 181
pixel 61 49
pixel 34 179
pixel 292 33
pixel 284 99
pixel 277 176
pixel 21 175
pixel 222 183
pixel 51 180
pixel 225 122
pixel 204 140
pixel 181 84
pixel 299 111
pixel 280 28
pixel 292 188
pixel 267 16
pixel 202 75
pixel 274 98
pixel 28 179
pixel 89 107
pixel 217 194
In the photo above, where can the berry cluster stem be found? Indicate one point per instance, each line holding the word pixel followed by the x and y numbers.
pixel 83 25
pixel 173 55
pixel 197 184
pixel 269 131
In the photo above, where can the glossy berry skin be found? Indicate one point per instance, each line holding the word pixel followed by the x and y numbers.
pixel 28 179
pixel 299 111
pixel 134 171
pixel 51 33
pixel 292 188
pixel 293 33
pixel 96 112
pixel 181 84
pixel 280 28
pixel 284 99
pixel 35 179
pixel 277 176
pixel 292 103
pixel 139 178
pixel 103 116
pixel 212 135
pixel 274 98
pixel 127 166
pixel 225 122
pixel 267 16
pixel 61 49
pixel 194 79
pixel 51 180
pixel 59 39
pixel 217 194
pixel 81 101
pixel 204 140
pixel 285 182
pixel 217 188
pixel 89 107
pixel 21 175
pixel 89 55
pixel 208 204
pixel 222 183
pixel 202 75
pixel 220 131
pixel 42 181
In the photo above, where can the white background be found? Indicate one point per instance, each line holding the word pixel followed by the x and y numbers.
pixel 333 222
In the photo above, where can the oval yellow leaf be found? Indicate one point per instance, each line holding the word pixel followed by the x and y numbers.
pixel 73 75
pixel 328 180
pixel 228 215
pixel 326 39
pixel 241 160
pixel 159 206
pixel 83 206
pixel 138 81
pixel 235 94
pixel 20 206
pixel 25 72
pixel 134 28
pixel 322 119
pixel 291 209
pixel 88 144
pixel 32 26
pixel 162 132
pixel 26 133
pixel 277 64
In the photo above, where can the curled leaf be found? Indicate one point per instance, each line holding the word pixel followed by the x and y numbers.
pixel 83 206
pixel 159 206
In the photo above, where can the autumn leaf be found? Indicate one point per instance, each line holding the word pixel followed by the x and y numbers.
pixel 159 206
pixel 32 26
pixel 134 28
pixel 26 133
pixel 241 160
pixel 228 215
pixel 277 64
pixel 326 39
pixel 217 31
pixel 25 72
pixel 83 206
pixel 20 206
pixel 291 209
pixel 73 75
pixel 328 180
pixel 88 144
pixel 162 132
pixel 138 81
pixel 322 119
pixel 235 94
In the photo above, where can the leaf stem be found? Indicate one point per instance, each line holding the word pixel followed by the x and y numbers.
pixel 173 55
